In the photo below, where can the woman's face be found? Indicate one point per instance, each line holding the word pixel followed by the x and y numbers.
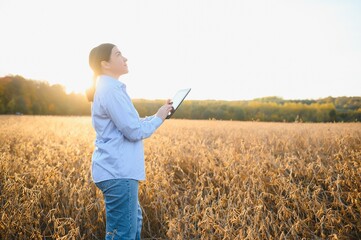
pixel 117 64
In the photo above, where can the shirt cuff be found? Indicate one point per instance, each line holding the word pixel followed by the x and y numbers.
pixel 156 121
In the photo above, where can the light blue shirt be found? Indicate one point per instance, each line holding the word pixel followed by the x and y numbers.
pixel 119 151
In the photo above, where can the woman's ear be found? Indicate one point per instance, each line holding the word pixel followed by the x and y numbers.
pixel 104 65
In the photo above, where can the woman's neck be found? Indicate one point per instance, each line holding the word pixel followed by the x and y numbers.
pixel 110 74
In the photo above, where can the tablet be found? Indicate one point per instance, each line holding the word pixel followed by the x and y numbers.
pixel 178 99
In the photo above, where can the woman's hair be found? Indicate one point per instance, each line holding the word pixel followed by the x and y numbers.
pixel 96 56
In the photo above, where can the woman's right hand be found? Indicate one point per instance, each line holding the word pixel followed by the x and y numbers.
pixel 164 110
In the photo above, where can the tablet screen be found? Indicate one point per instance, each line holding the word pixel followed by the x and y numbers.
pixel 178 99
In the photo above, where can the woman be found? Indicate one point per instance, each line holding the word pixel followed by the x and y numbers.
pixel 118 158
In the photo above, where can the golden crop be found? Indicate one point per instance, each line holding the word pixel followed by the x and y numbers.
pixel 205 180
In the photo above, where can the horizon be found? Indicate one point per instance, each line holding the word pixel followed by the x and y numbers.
pixel 187 98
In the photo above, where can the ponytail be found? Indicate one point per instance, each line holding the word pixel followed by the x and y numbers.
pixel 96 56
pixel 91 91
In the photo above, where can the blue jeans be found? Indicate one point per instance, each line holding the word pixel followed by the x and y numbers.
pixel 123 212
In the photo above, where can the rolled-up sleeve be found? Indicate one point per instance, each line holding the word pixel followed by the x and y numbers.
pixel 125 117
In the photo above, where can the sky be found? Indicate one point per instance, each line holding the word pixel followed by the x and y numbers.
pixel 222 49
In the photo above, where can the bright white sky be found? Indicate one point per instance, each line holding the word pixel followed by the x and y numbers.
pixel 222 49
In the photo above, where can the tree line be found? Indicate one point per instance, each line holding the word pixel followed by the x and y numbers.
pixel 23 96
